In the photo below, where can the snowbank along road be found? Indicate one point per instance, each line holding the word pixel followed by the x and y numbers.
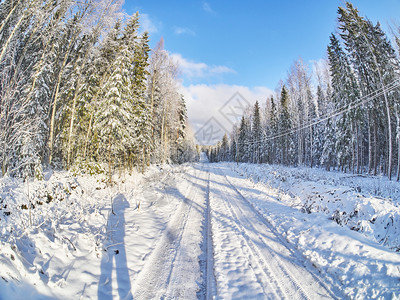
pixel 200 231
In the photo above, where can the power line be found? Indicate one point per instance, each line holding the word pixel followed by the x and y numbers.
pixel 362 100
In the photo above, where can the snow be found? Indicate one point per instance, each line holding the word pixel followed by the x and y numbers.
pixel 261 265
pixel 201 231
pixel 63 254
pixel 300 205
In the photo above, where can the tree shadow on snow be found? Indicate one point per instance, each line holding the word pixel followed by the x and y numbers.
pixel 114 262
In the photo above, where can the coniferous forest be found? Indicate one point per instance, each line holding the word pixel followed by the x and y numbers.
pixel 104 193
pixel 344 116
pixel 81 89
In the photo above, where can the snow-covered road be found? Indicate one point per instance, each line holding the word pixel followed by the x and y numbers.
pixel 173 270
pixel 215 244
pixel 251 260
pixel 196 231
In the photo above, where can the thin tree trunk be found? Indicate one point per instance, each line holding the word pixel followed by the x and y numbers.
pixel 163 139
pixel 311 147
pixel 5 45
pixel 20 60
pixel 398 144
pixel 390 146
pixel 357 150
pixel 375 150
pixel 353 148
pixel 8 17
pixel 109 159
pixel 70 136
pixel 71 126
pixel 143 159
pixel 153 88
pixel 55 100
pixel 370 164
pixel 87 136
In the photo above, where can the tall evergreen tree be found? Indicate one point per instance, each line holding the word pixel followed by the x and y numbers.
pixel 243 153
pixel 374 59
pixel 345 92
pixel 256 134
pixel 284 129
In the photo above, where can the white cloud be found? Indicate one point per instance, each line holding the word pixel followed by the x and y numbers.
pixel 219 106
pixel 207 8
pixel 184 30
pixel 147 24
pixel 191 69
pixel 221 69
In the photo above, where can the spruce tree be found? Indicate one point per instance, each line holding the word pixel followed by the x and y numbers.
pixel 344 93
pixel 243 141
pixel 374 60
pixel 256 134
pixel 284 129
pixel 274 130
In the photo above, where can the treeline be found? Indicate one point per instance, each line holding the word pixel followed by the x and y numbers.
pixel 80 87
pixel 349 120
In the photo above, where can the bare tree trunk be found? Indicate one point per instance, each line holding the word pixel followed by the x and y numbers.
pixel 143 159
pixel 370 164
pixel 398 157
pixel 109 160
pixel 71 127
pixel 398 145
pixel 5 45
pixel 357 149
pixel 20 60
pixel 375 150
pixel 311 146
pixel 55 100
pixel 389 124
pixel 87 137
pixel 361 153
pixel 8 16
pixel 353 147
pixel 163 139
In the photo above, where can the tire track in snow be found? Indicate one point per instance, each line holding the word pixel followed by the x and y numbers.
pixel 182 282
pixel 164 271
pixel 293 271
pixel 259 267
pixel 209 279
pixel 270 252
pixel 287 286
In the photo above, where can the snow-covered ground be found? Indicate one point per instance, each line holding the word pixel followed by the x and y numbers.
pixel 347 226
pixel 201 231
pixel 76 247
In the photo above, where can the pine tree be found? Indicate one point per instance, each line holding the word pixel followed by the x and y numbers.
pixel 224 151
pixel 243 153
pixel 274 130
pixel 284 129
pixel 180 132
pixel 256 134
pixel 345 92
pixel 142 111
pixel 233 149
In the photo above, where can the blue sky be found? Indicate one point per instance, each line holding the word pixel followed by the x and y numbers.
pixel 227 46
